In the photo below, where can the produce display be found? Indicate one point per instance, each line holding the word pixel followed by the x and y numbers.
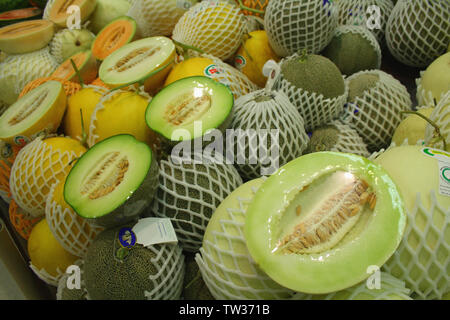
pixel 226 149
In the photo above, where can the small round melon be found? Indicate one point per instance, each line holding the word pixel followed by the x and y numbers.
pixel 441 117
pixel 323 220
pixel 105 12
pixel 435 81
pixel 68 42
pixel 85 63
pixel 154 273
pixel 412 128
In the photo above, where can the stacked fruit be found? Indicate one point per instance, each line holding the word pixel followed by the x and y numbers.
pixel 145 112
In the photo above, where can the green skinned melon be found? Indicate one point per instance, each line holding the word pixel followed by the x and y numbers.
pixel 321 222
pixel 67 43
pixel 64 293
pixel 106 11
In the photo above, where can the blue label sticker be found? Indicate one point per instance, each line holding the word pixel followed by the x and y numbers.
pixel 127 238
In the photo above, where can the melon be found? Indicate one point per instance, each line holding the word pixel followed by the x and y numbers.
pixel 27 36
pixel 435 81
pixel 18 70
pixel 194 288
pixel 105 12
pixel 441 117
pixel 69 87
pixel 413 128
pixel 8 154
pixel 21 221
pixel 57 10
pixel 6 5
pixel 19 15
pixel 113 36
pixel 68 42
pixel 64 292
pixel 86 65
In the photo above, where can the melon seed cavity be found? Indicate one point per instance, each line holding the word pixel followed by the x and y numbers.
pixel 187 108
pixel 26 28
pixel 28 109
pixel 320 222
pixel 63 8
pixel 134 58
pixel 106 176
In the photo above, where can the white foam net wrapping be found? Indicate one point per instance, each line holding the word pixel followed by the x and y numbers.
pixel 254 23
pixel 213 26
pixel 18 70
pixel 189 194
pixel 315 109
pixel 294 25
pixel 360 13
pixel 279 114
pixel 441 117
pixel 424 98
pixel 390 289
pixel 46 277
pixel 157 18
pixel 226 266
pixel 56 45
pixel 74 233
pixel 238 82
pixel 37 167
pixel 64 293
pixel 418 32
pixel 377 113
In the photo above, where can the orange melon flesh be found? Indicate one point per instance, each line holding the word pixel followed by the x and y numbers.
pixel 113 36
pixel 58 12
pixel 86 64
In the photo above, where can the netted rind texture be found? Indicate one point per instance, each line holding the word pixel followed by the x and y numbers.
pixel 423 258
pixel 74 233
pixel 294 25
pixel 20 69
pixel 441 117
pixel 357 12
pixel 315 109
pixel 56 45
pixel 227 267
pixel 37 167
pixel 21 221
pixel 284 137
pixel 213 26
pixel 390 288
pixel 155 17
pixel 418 32
pixel 377 113
pixel 64 293
pixel 189 194
pixel 69 87
pixel 234 79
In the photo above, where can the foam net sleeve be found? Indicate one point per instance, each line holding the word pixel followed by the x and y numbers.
pixel 418 32
pixel 349 140
pixel 294 25
pixel 46 277
pixel 213 26
pixel 441 117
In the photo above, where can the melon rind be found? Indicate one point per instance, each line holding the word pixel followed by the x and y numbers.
pixel 224 261
pixel 87 68
pixel 418 32
pixel 294 25
pixel 441 117
pixel 18 70
pixel 278 113
pixel 189 194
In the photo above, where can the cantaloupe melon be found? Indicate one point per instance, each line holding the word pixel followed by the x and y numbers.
pixel 57 10
pixel 86 64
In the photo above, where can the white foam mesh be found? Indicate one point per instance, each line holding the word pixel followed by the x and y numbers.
pixel 238 82
pixel 354 12
pixel 244 280
pixel 418 32
pixel 424 98
pixel 74 233
pixel 390 289
pixel 62 283
pixel 278 113
pixel 423 258
pixel 168 281
pixel 56 45
pixel 18 70
pixel 213 26
pixel 315 109
pixel 441 117
pixel 189 194
pixel 46 277
pixel 294 25
pixel 155 17
pixel 377 113
pixel 42 167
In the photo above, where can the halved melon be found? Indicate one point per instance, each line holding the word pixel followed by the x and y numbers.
pixel 18 15
pixel 115 35
pixel 86 64
pixel 39 110
pixel 58 12
pixel 26 36
pixel 69 87
pixel 138 61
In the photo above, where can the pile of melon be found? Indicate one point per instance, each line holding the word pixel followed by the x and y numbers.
pixel 267 138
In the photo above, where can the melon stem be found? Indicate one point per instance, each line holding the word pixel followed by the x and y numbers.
pixel 77 72
pixel 244 7
pixel 187 47
pixel 83 131
pixel 303 55
pixel 432 123
pixel 245 48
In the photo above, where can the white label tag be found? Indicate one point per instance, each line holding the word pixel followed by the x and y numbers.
pixel 443 159
pixel 150 231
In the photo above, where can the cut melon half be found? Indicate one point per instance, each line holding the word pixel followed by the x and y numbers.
pixel 27 36
pixel 139 61
pixel 39 110
pixel 59 15
pixel 86 64
pixel 113 36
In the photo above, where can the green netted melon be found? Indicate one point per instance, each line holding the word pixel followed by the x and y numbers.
pixel 113 272
pixel 16 71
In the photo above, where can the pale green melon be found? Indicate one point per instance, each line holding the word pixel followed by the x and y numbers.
pixel 67 43
pixel 412 128
pixel 106 11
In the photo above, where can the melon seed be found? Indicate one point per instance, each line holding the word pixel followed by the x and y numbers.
pixel 117 32
pixel 107 177
pixel 324 226
pixel 133 58
pixel 28 109
pixel 187 107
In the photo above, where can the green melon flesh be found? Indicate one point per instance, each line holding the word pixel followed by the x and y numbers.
pixel 283 203
pixel 124 185
pixel 206 100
